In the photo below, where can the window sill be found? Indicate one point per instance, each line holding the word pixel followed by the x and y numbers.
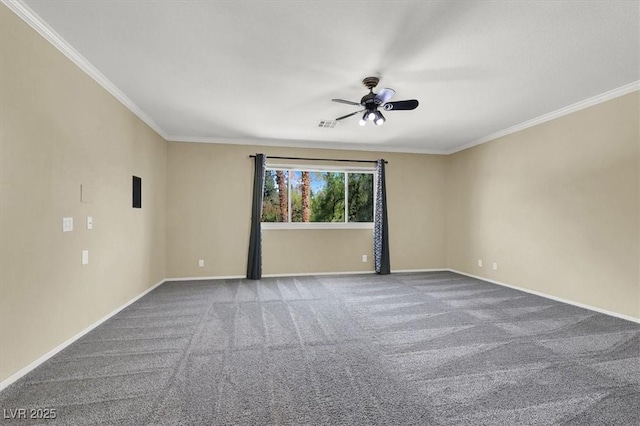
pixel 318 225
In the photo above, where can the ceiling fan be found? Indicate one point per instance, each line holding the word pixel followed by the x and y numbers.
pixel 372 101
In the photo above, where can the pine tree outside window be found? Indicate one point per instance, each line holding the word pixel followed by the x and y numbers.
pixel 326 198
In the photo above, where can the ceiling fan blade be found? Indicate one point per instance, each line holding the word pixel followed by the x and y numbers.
pixel 342 101
pixel 401 105
pixel 349 115
pixel 384 95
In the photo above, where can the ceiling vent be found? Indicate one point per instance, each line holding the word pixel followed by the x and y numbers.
pixel 330 124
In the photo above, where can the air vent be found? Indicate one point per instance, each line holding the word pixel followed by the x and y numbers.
pixel 330 124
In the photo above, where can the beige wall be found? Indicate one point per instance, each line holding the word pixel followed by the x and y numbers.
pixel 209 206
pixel 556 205
pixel 59 130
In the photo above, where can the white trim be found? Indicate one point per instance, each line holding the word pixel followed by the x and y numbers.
pixel 346 195
pixel 547 296
pixel 309 274
pixel 20 373
pixel 270 226
pixel 412 271
pixel 223 277
pixel 37 23
pixel 302 274
pixel 297 143
pixel 603 97
pixel 242 277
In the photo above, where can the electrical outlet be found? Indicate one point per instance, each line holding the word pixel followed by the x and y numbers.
pixel 201 263
pixel 480 263
pixel 89 222
pixel 85 257
pixel 67 224
pixel 364 258
pixel 495 266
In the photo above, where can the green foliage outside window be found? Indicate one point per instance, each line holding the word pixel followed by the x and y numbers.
pixel 317 196
pixel 360 197
pixel 328 204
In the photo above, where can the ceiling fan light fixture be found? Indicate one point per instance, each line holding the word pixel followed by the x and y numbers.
pixel 371 102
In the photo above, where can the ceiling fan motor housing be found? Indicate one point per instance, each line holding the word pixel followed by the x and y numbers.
pixel 368 100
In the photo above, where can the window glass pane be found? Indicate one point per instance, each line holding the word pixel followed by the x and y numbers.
pixel 316 196
pixel 275 203
pixel 327 196
pixel 360 197
pixel 296 196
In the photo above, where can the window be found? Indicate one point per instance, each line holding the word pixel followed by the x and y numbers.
pixel 333 198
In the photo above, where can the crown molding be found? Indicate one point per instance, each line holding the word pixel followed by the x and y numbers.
pixel 598 99
pixel 284 143
pixel 34 21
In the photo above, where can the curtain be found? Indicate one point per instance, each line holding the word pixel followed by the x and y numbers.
pixel 254 264
pixel 381 225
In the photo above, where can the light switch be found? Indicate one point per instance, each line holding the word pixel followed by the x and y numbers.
pixel 85 257
pixel 89 222
pixel 67 224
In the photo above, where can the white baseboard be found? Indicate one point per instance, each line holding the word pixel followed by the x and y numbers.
pixel 218 277
pixel 302 274
pixel 242 277
pixel 415 271
pixel 309 274
pixel 306 274
pixel 14 377
pixel 557 299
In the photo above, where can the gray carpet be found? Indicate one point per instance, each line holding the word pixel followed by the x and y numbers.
pixel 406 349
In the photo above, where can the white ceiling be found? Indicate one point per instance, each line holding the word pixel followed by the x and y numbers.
pixel 265 72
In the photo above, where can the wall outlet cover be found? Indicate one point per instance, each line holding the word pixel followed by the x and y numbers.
pixel 67 224
pixel 85 257
pixel 480 263
pixel 495 266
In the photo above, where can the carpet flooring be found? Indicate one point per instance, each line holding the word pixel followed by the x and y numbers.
pixel 406 349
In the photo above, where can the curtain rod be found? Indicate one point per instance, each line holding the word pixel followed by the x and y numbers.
pixel 322 159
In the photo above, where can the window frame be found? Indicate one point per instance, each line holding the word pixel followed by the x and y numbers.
pixel 295 167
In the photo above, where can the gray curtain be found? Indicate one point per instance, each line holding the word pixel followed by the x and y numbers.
pixel 381 225
pixel 254 264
